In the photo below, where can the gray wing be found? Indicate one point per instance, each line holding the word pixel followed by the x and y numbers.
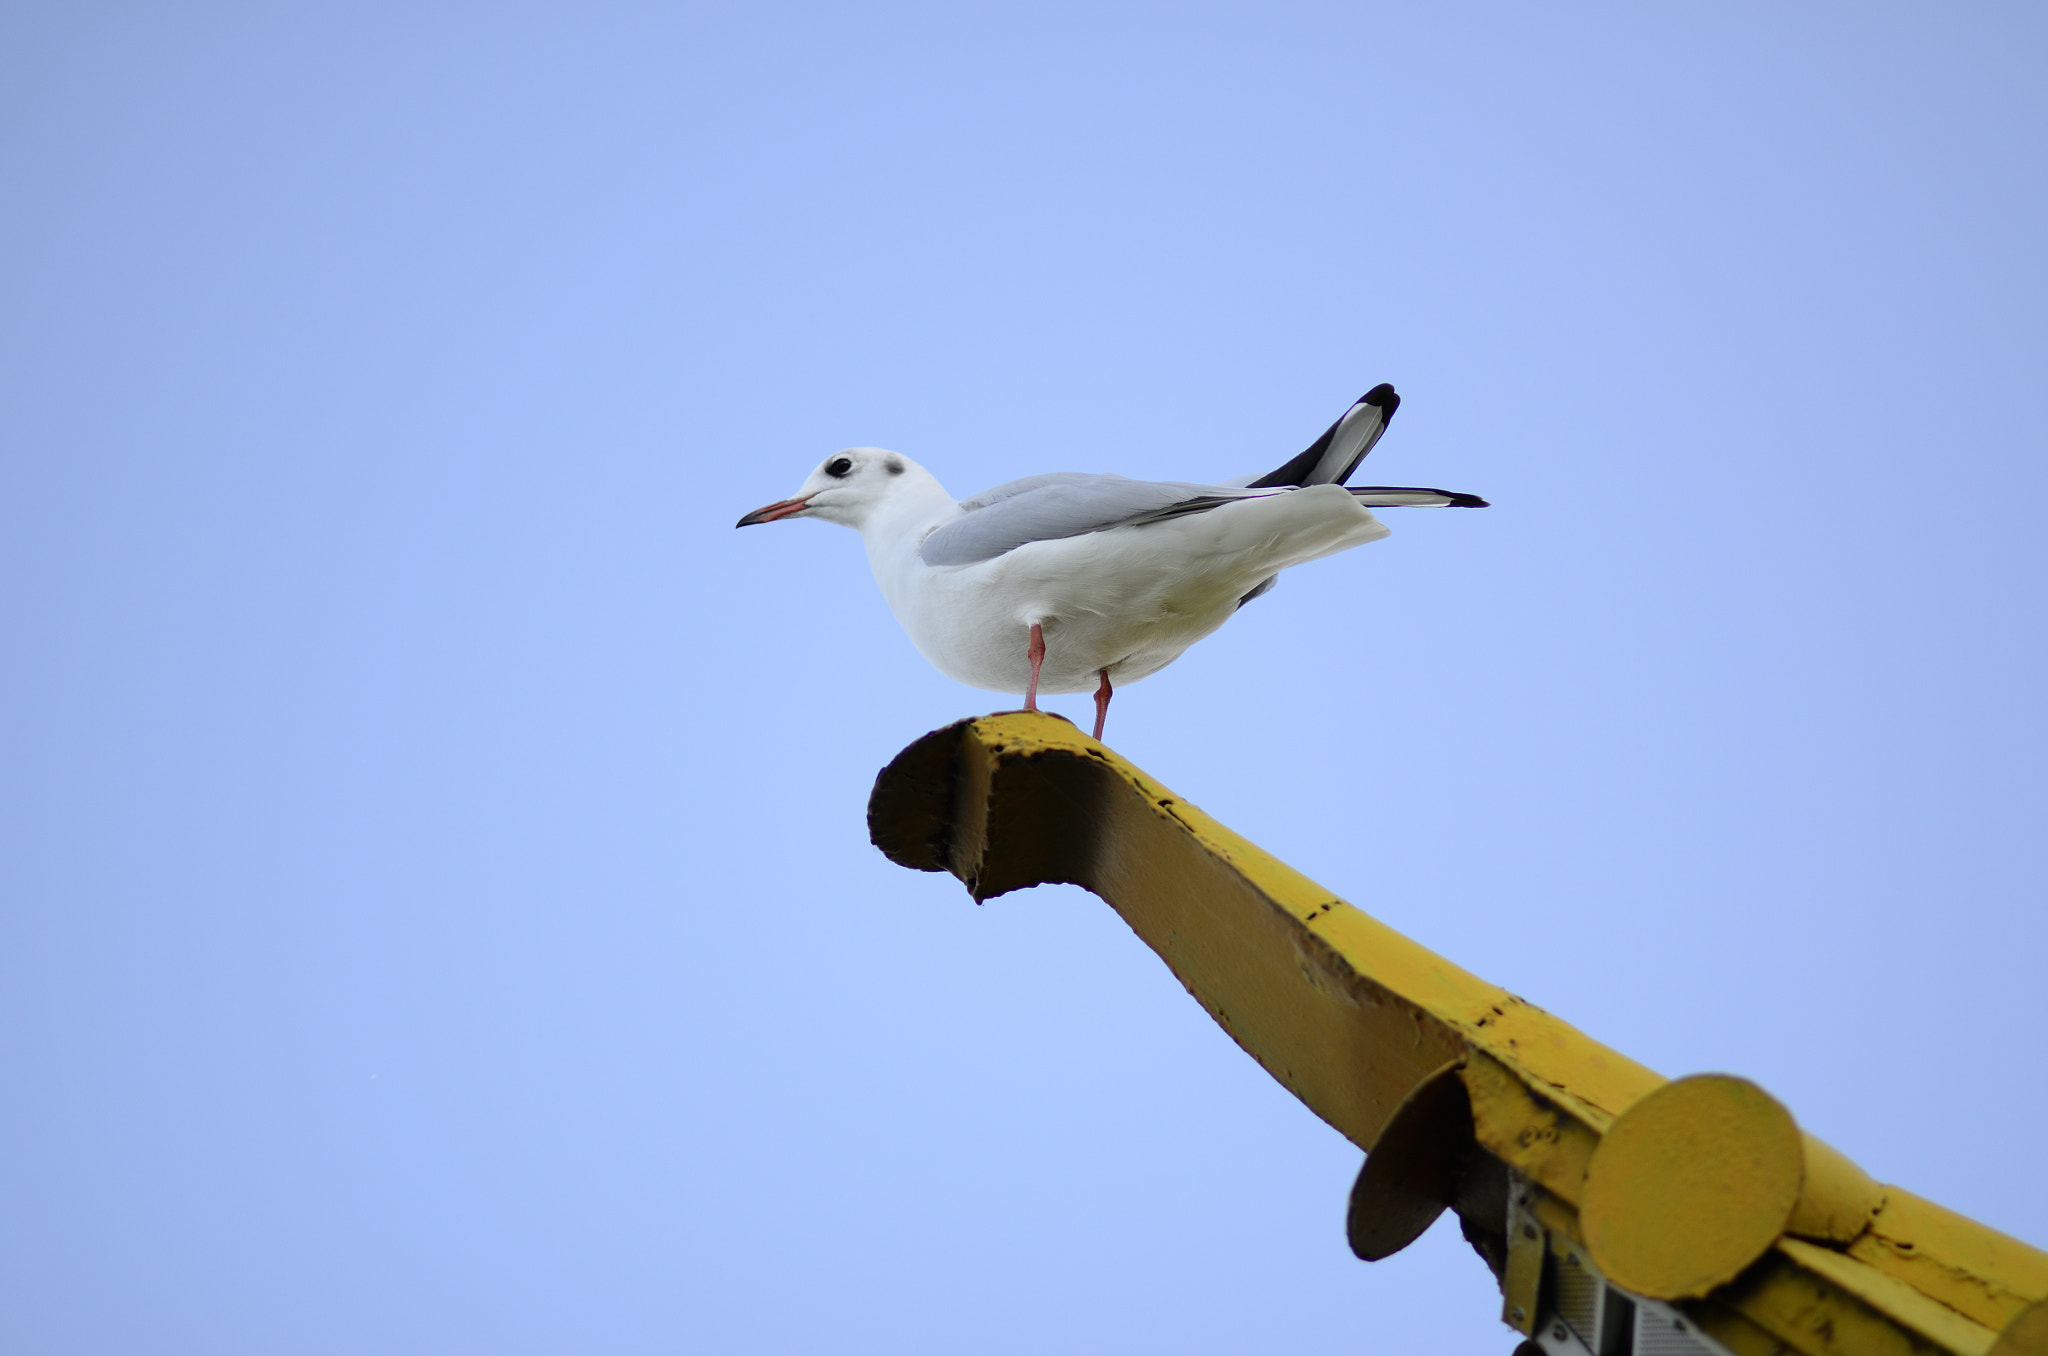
pixel 1065 504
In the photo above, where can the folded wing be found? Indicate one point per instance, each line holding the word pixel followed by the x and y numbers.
pixel 1074 503
pixel 1066 504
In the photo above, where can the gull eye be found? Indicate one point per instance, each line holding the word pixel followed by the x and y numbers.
pixel 838 466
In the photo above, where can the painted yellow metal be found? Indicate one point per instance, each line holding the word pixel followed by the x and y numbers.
pixel 1696 1181
pixel 1414 1169
pixel 1973 1270
pixel 1019 799
pixel 1837 1199
pixel 1736 1331
pixel 1692 1184
pixel 1529 1131
pixel 1898 1302
pixel 1352 1018
pixel 1521 1280
pixel 2026 1335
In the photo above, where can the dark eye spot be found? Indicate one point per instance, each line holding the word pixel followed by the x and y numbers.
pixel 838 466
pixel 895 467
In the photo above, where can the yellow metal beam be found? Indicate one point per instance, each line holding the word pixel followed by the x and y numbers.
pixel 1701 1194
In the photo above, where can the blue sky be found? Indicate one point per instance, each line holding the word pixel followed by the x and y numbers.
pixel 437 908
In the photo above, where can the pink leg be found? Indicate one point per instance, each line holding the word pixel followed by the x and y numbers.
pixel 1037 652
pixel 1101 703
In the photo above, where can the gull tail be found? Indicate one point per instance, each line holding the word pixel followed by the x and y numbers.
pixel 1331 459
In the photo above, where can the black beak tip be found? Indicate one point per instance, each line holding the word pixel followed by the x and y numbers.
pixel 774 513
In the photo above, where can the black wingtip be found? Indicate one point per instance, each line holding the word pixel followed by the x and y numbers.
pixel 1380 398
pixel 1399 496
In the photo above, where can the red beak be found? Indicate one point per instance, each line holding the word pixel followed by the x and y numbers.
pixel 781 508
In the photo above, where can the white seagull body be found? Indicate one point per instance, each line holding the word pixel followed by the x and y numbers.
pixel 1072 582
pixel 1125 599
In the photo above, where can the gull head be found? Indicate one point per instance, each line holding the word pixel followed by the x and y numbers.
pixel 850 488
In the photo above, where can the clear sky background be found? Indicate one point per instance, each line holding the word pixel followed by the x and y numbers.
pixel 438 913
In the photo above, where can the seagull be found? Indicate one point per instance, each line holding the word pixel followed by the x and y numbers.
pixel 1063 582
